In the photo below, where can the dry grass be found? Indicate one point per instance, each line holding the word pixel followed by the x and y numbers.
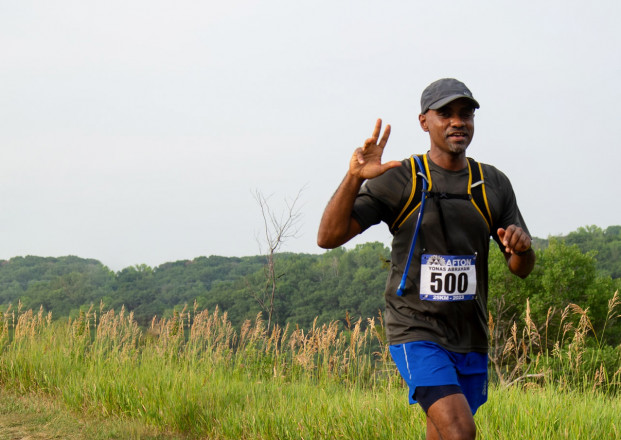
pixel 577 358
pixel 349 352
pixel 185 373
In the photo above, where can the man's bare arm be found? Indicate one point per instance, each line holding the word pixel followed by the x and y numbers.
pixel 337 225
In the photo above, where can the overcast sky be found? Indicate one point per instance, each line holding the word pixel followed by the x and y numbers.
pixel 136 131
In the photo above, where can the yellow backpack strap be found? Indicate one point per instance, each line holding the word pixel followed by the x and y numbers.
pixel 415 197
pixel 476 189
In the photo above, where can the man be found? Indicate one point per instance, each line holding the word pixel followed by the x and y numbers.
pixel 438 338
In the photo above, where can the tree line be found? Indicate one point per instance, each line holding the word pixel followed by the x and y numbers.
pixel 583 267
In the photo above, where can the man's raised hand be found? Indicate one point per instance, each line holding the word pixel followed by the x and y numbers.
pixel 366 162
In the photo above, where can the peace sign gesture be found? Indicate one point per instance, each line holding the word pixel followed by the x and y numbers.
pixel 366 162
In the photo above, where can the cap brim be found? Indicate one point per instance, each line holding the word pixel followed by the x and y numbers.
pixel 441 103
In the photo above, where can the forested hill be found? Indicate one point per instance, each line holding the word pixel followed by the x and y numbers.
pixel 323 286
pixel 308 286
pixel 605 244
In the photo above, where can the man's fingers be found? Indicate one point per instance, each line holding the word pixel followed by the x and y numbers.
pixel 360 155
pixel 368 143
pixel 377 129
pixel 372 141
pixel 389 165
pixel 514 239
pixel 385 136
pixel 517 238
pixel 501 233
pixel 369 155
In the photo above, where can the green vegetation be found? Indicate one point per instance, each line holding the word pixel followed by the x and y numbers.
pixel 35 416
pixel 603 244
pixel 308 286
pixel 510 414
pixel 581 268
pixel 322 370
pixel 196 375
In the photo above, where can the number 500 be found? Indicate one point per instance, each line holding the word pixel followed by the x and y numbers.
pixel 449 283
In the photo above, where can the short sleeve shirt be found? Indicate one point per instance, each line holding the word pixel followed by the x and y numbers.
pixel 459 326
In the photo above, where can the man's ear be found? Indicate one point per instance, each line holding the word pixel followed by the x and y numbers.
pixel 423 122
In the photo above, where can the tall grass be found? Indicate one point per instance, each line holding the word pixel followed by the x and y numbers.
pixel 180 370
pixel 196 373
pixel 574 358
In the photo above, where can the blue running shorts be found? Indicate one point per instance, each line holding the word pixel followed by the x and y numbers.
pixel 426 364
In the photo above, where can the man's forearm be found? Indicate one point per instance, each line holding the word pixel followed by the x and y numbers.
pixel 337 225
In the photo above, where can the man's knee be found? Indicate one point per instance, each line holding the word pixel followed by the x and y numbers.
pixel 468 432
pixel 452 418
pixel 454 431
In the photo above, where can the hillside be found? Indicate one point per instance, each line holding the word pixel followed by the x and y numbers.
pixel 324 286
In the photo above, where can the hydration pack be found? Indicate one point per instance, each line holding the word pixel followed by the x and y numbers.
pixel 476 191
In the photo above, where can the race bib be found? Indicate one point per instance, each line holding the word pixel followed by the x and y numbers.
pixel 448 277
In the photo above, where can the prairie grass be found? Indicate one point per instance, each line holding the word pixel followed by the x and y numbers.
pixel 195 374
pixel 548 413
pixel 575 359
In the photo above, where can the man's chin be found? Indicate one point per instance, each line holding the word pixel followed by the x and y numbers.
pixel 457 148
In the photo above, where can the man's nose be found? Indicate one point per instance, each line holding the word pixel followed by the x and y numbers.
pixel 457 121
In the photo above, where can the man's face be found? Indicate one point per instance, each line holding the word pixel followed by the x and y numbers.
pixel 451 127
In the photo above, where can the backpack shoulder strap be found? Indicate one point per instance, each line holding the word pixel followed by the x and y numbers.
pixel 476 188
pixel 416 194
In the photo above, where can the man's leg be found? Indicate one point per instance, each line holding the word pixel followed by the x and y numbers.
pixel 431 374
pixel 450 418
pixel 432 432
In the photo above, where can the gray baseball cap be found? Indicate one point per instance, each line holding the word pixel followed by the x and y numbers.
pixel 441 92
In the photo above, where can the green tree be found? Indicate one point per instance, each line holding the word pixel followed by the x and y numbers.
pixel 604 244
pixel 563 275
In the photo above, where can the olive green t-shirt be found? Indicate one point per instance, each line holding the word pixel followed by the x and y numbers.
pixel 450 226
